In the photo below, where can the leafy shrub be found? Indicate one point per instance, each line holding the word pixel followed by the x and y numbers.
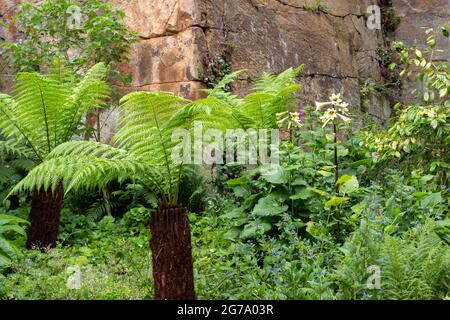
pixel 93 32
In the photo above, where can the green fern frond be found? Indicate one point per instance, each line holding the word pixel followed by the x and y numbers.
pixel 15 148
pixel 142 148
pixel 44 112
pixel 272 84
pixel 220 92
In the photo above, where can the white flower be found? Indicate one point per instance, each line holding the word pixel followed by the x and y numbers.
pixel 343 107
pixel 335 99
pixel 295 119
pixel 328 116
pixel 320 105
pixel 344 118
pixel 338 111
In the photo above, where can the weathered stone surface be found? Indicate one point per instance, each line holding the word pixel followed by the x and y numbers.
pixel 333 42
pixel 7 11
pixel 159 18
pixel 416 16
pixel 166 59
pixel 181 39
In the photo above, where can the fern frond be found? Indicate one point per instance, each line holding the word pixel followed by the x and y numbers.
pixel 15 148
pixel 272 84
pixel 220 92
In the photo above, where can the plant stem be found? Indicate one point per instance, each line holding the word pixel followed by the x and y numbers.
pixel 336 163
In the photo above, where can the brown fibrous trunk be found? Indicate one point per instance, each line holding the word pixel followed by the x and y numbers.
pixel 44 218
pixel 171 246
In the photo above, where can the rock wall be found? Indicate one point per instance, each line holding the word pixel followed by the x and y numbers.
pixel 184 42
pixel 6 34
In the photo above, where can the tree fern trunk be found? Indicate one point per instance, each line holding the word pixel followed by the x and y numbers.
pixel 44 218
pixel 173 272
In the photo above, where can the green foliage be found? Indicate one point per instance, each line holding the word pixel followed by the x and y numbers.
pixel 419 134
pixel 45 112
pixel 10 229
pixel 108 271
pixel 78 33
pixel 315 6
pixel 414 266
pixel 143 146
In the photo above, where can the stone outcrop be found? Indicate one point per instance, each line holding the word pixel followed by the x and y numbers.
pixel 182 43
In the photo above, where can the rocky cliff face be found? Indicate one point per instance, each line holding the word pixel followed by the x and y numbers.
pixel 187 43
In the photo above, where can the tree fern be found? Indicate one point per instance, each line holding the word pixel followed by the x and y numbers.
pixel 142 148
pixel 44 112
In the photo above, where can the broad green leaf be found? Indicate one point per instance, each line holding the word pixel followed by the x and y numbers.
pixel 251 229
pixel 237 182
pixel 278 176
pixel 325 173
pixel 319 192
pixel 365 162
pixel 301 193
pixel 348 184
pixel 7 247
pixel 232 234
pixel 343 152
pixel 432 200
pixel 236 213
pixel 335 202
pixel 4 261
pixel 300 182
pixel 7 218
pixel 268 207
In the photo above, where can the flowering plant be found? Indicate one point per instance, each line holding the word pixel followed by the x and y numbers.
pixel 338 109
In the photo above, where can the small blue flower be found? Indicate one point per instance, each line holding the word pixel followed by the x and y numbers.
pixel 372 217
pixel 365 296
